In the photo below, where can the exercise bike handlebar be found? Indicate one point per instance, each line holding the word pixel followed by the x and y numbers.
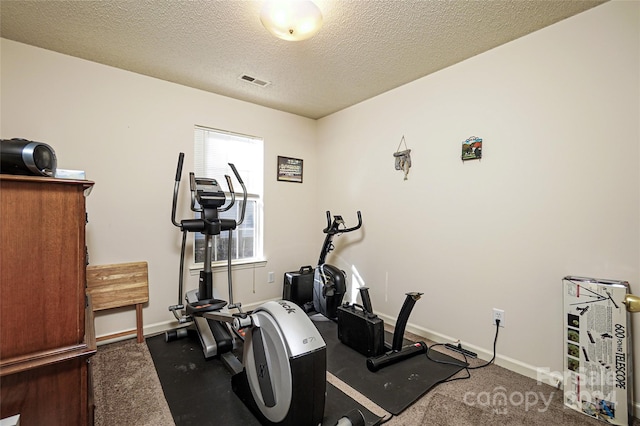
pixel 341 231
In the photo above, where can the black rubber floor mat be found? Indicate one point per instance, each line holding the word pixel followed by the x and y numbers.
pixel 393 388
pixel 199 391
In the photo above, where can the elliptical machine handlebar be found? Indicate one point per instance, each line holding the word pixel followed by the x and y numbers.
pixel 176 187
pixel 333 228
pixel 244 193
pixel 233 195
pixel 193 185
pixel 235 172
pixel 192 188
pixel 179 169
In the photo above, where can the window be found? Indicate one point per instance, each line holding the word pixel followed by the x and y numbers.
pixel 213 150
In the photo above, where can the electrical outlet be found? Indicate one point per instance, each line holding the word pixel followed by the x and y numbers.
pixel 270 277
pixel 498 314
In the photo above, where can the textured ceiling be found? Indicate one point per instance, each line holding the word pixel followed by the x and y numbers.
pixel 364 48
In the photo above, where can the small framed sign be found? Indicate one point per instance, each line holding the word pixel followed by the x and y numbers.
pixel 289 169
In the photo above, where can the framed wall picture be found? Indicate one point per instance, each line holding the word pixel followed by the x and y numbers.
pixel 289 169
pixel 472 149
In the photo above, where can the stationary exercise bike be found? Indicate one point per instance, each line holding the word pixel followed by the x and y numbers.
pixel 330 282
pixel 282 378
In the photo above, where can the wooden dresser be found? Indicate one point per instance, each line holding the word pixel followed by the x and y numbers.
pixel 46 321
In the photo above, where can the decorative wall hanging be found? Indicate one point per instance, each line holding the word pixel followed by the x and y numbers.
pixel 403 158
pixel 289 169
pixel 472 148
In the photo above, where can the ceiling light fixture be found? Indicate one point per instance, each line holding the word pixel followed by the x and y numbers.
pixel 292 20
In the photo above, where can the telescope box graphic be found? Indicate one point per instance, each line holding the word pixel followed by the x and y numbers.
pixel 598 361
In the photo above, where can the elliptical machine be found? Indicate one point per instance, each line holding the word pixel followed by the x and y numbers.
pixel 329 282
pixel 210 198
pixel 282 379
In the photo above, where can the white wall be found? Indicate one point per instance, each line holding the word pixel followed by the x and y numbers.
pixel 126 130
pixel 556 193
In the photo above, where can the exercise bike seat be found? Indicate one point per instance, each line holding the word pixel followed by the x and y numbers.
pixel 206 305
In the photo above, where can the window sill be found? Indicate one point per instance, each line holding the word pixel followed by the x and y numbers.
pixel 195 268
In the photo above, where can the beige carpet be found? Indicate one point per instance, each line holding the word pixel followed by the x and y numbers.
pixel 491 396
pixel 128 392
pixel 479 401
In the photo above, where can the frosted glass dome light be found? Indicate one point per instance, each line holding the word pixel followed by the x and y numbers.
pixel 292 20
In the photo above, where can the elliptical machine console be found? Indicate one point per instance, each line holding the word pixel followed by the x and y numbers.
pixel 330 282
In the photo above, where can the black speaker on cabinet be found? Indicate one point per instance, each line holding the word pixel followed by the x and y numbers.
pixel 25 157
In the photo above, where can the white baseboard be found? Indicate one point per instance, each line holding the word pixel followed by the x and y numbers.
pixel 501 360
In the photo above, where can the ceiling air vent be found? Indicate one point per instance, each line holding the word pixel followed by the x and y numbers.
pixel 254 80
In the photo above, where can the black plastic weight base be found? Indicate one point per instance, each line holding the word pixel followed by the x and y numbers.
pixel 376 363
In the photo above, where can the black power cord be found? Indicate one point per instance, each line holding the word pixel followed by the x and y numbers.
pixel 466 364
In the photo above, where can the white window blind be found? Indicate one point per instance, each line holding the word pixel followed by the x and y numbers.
pixel 213 150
